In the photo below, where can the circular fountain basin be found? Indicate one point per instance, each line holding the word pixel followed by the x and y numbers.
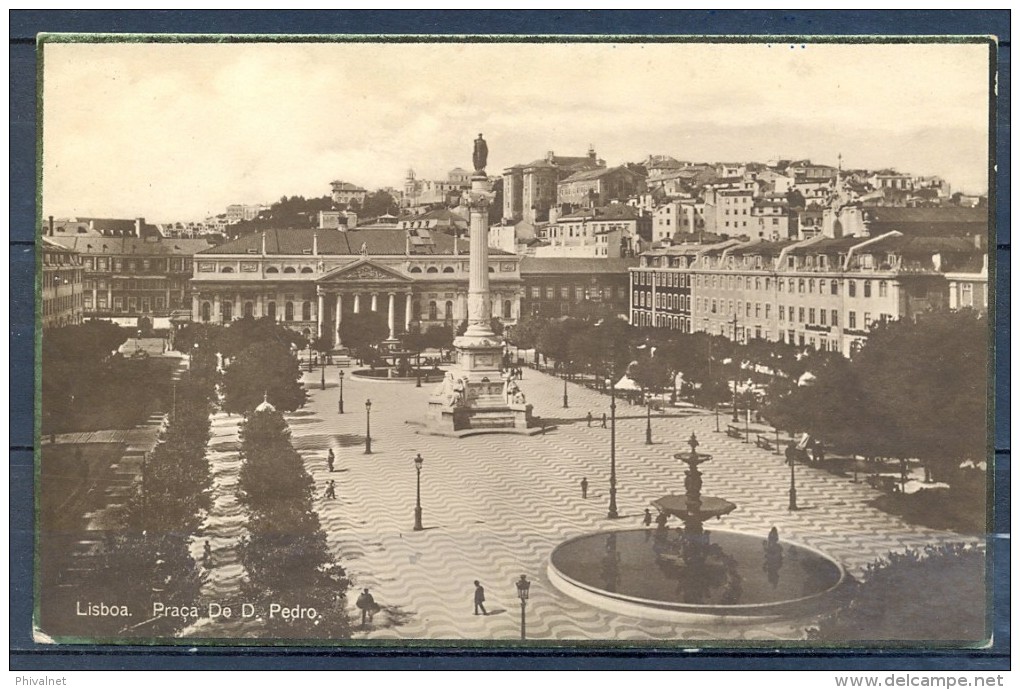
pixel 643 573
pixel 389 374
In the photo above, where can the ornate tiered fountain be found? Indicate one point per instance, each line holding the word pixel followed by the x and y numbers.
pixel 691 574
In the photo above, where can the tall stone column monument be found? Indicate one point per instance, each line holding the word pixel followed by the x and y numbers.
pixel 476 397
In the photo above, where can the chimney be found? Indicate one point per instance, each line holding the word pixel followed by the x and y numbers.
pixel 591 152
pixel 51 226
pixel 92 226
pixel 263 243
pixel 550 156
pixel 456 244
pixel 138 226
pixel 315 244
pixel 407 243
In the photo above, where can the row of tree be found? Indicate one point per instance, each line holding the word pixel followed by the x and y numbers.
pixel 916 389
pixel 151 555
pixel 286 555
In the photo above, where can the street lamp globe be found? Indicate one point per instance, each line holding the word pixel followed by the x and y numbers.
pixel 368 405
pixel 418 461
pixel 523 587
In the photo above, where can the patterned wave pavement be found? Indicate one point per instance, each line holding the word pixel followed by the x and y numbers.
pixel 496 506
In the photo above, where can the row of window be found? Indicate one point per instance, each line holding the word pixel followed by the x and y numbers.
pixel 122 304
pixel 55 305
pixel 154 285
pixel 739 308
pixel 801 285
pixel 662 279
pixel 663 300
pixel 60 259
pixel 673 323
pixel 120 265
pixel 52 279
pixel 580 293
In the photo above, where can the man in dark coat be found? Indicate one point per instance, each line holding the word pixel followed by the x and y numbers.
pixel 366 602
pixel 480 599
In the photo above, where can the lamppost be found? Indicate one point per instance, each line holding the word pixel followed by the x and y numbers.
pixel 322 383
pixel 648 425
pixel 613 513
pixel 418 461
pixel 736 370
pixel 523 587
pixel 368 427
pixel 565 402
pixel 417 369
pixel 309 356
pixel 793 479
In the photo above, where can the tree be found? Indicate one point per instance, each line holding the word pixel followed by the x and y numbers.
pixel 894 599
pixel 651 373
pixel 265 370
pixel 439 337
pixel 242 333
pixel 363 331
pixel 929 379
pixel 379 203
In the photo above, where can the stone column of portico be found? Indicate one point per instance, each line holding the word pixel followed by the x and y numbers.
pixel 320 312
pixel 391 317
pixel 407 312
pixel 375 301
pixel 339 316
pixel 357 304
pixel 195 316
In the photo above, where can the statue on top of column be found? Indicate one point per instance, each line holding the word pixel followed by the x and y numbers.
pixel 481 154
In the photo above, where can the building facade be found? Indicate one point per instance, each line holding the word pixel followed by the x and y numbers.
pixel 530 189
pixel 63 285
pixel 824 293
pixel 566 286
pixel 598 187
pixel 130 278
pixel 310 279
pixel 345 192
pixel 612 231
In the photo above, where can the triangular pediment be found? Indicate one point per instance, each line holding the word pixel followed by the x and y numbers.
pixel 363 271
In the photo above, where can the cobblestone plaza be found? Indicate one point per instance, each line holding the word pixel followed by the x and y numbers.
pixel 495 506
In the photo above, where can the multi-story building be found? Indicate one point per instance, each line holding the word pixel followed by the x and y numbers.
pixel 613 231
pixel 241 212
pixel 823 293
pixel 676 217
pixel 529 189
pixel 555 286
pixel 63 285
pixel 309 279
pixel 130 278
pixel 590 188
pixel 418 193
pixel 345 192
pixel 730 210
pixel 772 221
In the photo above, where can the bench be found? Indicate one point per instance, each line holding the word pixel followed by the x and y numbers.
pixel 734 431
pixel 763 442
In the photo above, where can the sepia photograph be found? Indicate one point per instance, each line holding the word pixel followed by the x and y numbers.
pixel 478 341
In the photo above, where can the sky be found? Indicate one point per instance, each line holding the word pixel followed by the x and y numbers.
pixel 178 131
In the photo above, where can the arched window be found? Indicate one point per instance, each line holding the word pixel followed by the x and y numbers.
pixel 448 269
pixel 227 269
pixel 271 310
pixel 206 311
pixel 449 311
pixel 432 269
pixel 228 311
pixel 288 311
pixel 249 309
pixel 306 269
pixel 290 269
pixel 433 312
pixel 507 309
pixel 272 269
pixel 415 269
pixel 306 311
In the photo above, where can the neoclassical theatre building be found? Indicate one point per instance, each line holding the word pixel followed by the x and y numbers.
pixel 309 279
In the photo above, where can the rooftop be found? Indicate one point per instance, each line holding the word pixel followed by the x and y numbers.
pixel 610 212
pixel 386 241
pixel 531 265
pixel 133 245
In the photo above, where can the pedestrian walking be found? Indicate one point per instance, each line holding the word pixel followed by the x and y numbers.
pixel 480 599
pixel 366 602
pixel 603 420
pixel 584 487
pixel 330 459
pixel 330 489
pixel 660 520
pixel 207 554
pixel 589 419
pixel 648 518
